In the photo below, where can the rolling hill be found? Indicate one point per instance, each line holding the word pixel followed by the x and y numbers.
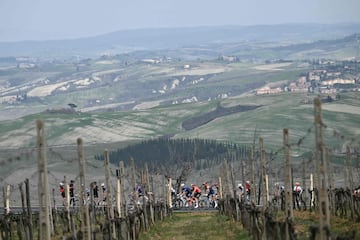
pixel 167 90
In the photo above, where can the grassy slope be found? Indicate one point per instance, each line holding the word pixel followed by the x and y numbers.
pixel 196 225
pixel 277 112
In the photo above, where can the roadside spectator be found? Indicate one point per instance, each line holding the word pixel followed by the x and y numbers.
pixel 71 192
pixel 62 192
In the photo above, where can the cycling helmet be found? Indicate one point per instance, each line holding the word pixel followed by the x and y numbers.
pixel 61 184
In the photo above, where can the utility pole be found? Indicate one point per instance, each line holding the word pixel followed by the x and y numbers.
pixel 44 214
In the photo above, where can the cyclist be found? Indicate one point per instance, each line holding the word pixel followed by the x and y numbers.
pixel 62 192
pixel 212 197
pixel 95 190
pixel 195 194
pixel 297 194
pixel 186 192
pixel 241 191
pixel 248 190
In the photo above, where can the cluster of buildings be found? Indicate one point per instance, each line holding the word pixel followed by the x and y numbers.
pixel 318 82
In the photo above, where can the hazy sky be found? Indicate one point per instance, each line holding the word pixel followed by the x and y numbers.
pixel 51 19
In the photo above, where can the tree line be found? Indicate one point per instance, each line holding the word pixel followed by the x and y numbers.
pixel 199 153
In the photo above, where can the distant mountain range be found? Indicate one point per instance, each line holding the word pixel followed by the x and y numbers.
pixel 172 38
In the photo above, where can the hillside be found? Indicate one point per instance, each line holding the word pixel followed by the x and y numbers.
pixel 197 91
pixel 127 41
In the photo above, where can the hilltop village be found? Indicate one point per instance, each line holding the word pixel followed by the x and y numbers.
pixel 328 78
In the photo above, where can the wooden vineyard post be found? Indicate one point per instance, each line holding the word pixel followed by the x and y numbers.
pixel 331 182
pixel 267 188
pixel 84 217
pixel 150 194
pixel 263 173
pixel 234 191
pixel 322 177
pixel 304 180
pixel 263 186
pixel 288 187
pixel 243 170
pixel 43 188
pixel 53 217
pixel 120 176
pixel 349 166
pixel 24 212
pixel 312 191
pixel 220 188
pixel 4 198
pixel 232 177
pixel 133 182
pixel 67 203
pixel 109 205
pixel 7 199
pixel 28 206
pixel 252 175
pixel 6 234
pixel 169 201
pixel 22 195
pixel 145 184
pixel 225 184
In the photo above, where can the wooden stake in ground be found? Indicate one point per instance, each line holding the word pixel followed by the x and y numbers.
pixel 322 177
pixel 28 206
pixel 120 175
pixel 312 191
pixel 263 173
pixel 133 181
pixel 67 203
pixel 150 194
pixel 252 175
pixel 43 188
pixel 110 208
pixel 7 199
pixel 225 179
pixel 243 170
pixel 169 192
pixel 233 185
pixel 304 180
pixel 220 188
pixel 349 166
pixel 288 187
pixel 84 217
pixel 263 186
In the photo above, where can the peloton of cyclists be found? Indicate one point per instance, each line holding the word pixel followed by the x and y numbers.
pixel 191 194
